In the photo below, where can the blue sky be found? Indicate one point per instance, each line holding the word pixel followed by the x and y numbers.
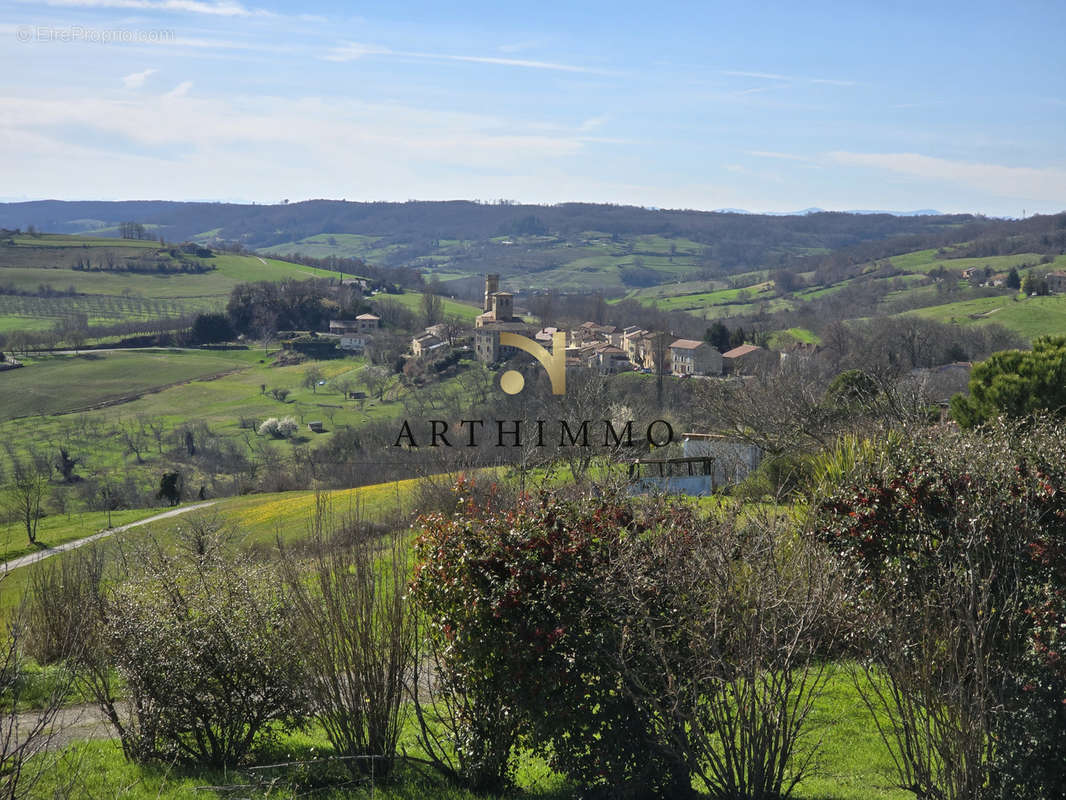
pixel 763 106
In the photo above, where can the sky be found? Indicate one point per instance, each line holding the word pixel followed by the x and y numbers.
pixel 958 107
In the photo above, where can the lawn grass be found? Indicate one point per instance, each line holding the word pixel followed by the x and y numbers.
pixel 854 765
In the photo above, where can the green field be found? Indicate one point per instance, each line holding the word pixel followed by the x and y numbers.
pixel 225 395
pixel 781 340
pixel 63 384
pixel 106 295
pixel 58 529
pixel 412 301
pixel 589 260
pixel 928 260
pixel 323 245
pixel 1027 316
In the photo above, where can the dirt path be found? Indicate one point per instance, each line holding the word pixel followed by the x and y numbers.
pixel 33 558
pixel 72 724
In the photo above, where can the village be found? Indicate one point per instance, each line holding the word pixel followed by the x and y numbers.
pixel 606 349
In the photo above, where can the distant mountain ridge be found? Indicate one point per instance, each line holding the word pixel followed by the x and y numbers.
pixel 922 212
pixel 267 225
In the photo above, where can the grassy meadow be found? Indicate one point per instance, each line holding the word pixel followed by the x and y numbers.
pixel 63 384
pixel 1029 317
pixel 107 295
pixel 412 301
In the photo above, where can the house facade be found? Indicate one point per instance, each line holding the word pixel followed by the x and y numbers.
pixel 691 357
pixel 748 358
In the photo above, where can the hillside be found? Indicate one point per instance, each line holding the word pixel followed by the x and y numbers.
pixel 46 278
pixel 570 245
pixel 945 284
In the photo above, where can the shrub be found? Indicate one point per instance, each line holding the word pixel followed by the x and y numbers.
pixel 207 648
pixel 626 640
pixel 738 619
pixel 279 428
pixel 777 478
pixel 201 638
pixel 959 539
pixel 356 630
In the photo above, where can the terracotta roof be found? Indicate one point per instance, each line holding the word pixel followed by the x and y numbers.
pixel 743 350
pixel 686 344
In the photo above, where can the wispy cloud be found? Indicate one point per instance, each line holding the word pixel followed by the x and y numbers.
pixel 764 75
pixel 221 8
pixel 1041 184
pixel 180 90
pixel 780 156
pixel 592 123
pixel 136 80
pixel 351 51
pixel 773 76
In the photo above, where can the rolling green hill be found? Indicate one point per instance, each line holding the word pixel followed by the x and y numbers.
pixel 1028 316
pixel 412 301
pixel 105 292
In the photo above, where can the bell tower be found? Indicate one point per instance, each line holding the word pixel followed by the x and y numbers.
pixel 492 285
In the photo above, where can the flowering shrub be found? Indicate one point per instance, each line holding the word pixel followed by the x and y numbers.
pixel 278 428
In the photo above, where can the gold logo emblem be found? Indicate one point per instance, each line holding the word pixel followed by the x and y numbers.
pixel 554 362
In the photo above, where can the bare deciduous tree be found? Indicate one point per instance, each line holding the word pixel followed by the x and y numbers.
pixel 27 488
